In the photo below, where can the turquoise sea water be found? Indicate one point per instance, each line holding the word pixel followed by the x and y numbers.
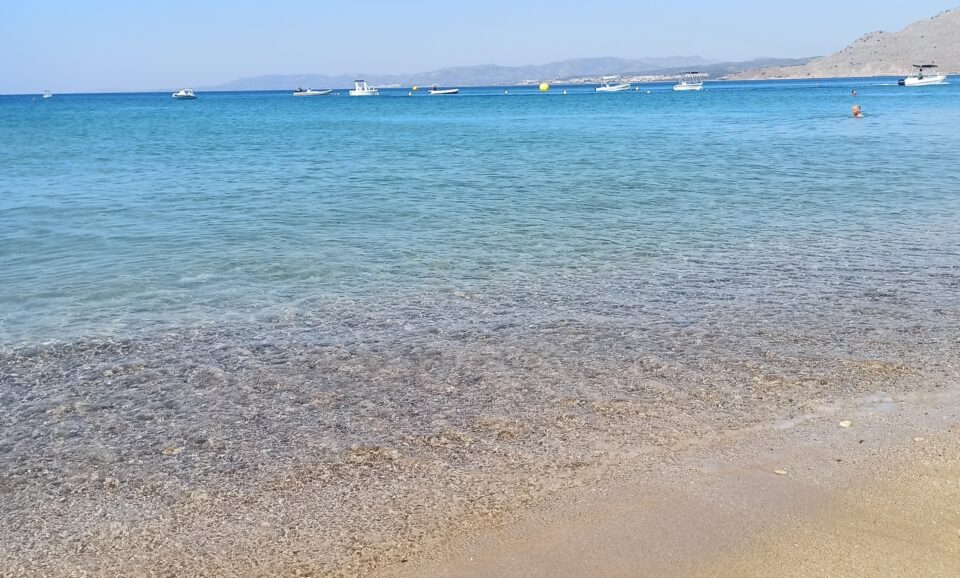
pixel 121 214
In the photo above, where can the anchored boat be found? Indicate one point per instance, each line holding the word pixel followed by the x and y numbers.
pixel 184 94
pixel 311 92
pixel 692 80
pixel 361 88
pixel 442 91
pixel 612 84
pixel 921 79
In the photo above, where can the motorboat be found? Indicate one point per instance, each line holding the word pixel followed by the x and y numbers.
pixel 612 84
pixel 442 91
pixel 692 80
pixel 311 92
pixel 361 88
pixel 921 79
pixel 184 94
pixel 47 94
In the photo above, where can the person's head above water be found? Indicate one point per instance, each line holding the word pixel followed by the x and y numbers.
pixel 857 112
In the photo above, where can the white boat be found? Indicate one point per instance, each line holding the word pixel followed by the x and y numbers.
pixel 442 91
pixel 612 84
pixel 361 88
pixel 921 79
pixel 47 94
pixel 184 94
pixel 311 92
pixel 690 81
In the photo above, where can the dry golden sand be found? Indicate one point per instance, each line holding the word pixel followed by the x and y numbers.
pixel 880 497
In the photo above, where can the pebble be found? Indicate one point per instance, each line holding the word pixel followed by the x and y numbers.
pixel 846 424
pixel 780 472
pixel 918 440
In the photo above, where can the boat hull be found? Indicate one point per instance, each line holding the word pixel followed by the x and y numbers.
pixel 613 88
pixel 926 81
pixel 313 93
pixel 445 91
pixel 364 93
pixel 184 97
pixel 686 87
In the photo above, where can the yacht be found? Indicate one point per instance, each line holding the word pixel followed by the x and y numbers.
pixel 612 84
pixel 361 88
pixel 184 94
pixel 47 94
pixel 311 92
pixel 692 80
pixel 921 79
pixel 441 91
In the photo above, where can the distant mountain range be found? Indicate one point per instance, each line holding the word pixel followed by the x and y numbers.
pixel 493 75
pixel 933 40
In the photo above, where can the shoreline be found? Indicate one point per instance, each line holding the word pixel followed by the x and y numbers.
pixel 807 498
pixel 263 458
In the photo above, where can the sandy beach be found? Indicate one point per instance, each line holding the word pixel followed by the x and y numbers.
pixel 870 487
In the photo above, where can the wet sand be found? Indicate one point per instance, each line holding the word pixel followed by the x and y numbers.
pixel 806 498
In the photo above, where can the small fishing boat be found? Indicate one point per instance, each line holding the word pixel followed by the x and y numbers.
pixel 361 88
pixel 311 92
pixel 184 94
pixel 442 91
pixel 47 94
pixel 921 79
pixel 689 81
pixel 612 84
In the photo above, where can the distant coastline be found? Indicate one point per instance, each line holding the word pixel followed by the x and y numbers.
pixel 578 71
pixel 528 84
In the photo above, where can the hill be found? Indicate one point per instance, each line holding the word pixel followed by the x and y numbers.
pixel 933 40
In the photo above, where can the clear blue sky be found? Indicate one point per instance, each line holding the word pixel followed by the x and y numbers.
pixel 95 45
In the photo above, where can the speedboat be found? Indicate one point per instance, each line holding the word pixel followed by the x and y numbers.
pixel 361 88
pixel 311 92
pixel 441 91
pixel 47 94
pixel 921 79
pixel 612 84
pixel 184 94
pixel 690 81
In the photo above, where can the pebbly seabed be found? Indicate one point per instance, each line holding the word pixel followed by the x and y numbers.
pixel 336 442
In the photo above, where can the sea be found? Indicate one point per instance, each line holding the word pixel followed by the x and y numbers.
pixel 126 214
pixel 326 323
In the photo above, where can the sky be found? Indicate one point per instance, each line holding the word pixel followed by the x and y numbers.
pixel 106 45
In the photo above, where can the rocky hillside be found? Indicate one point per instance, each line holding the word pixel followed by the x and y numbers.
pixel 933 40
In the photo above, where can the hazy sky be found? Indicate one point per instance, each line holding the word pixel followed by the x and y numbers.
pixel 93 45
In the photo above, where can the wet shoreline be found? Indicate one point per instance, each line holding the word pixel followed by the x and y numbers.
pixel 332 444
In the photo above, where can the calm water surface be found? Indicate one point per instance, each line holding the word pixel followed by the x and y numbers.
pixel 121 214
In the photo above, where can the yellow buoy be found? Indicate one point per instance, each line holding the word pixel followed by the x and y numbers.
pixel 416 88
pixel 544 87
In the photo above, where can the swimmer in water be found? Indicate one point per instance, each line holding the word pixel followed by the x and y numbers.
pixel 853 92
pixel 857 113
